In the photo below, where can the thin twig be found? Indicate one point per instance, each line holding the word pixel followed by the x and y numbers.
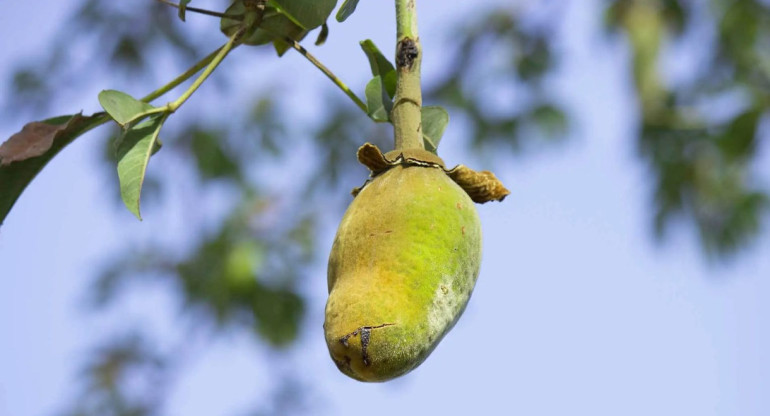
pixel 182 78
pixel 293 43
pixel 299 48
pixel 202 11
pixel 232 42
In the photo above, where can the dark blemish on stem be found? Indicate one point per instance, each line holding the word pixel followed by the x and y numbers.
pixel 407 53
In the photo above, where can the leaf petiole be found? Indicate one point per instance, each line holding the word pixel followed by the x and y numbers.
pixel 147 113
pixel 182 78
pixel 293 43
pixel 221 53
pixel 329 74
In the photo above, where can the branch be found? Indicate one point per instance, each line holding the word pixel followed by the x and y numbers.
pixel 407 107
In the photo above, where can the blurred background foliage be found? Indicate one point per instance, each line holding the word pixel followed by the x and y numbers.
pixel 243 266
pixel 701 159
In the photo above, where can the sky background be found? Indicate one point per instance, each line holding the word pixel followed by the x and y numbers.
pixel 577 310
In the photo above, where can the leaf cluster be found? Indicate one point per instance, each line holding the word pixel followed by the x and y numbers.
pixel 703 165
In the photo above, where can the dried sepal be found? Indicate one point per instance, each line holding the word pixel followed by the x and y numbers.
pixel 480 186
pixel 370 156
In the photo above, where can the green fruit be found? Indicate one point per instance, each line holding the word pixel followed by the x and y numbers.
pixel 401 270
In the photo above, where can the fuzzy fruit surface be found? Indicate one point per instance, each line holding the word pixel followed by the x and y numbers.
pixel 401 270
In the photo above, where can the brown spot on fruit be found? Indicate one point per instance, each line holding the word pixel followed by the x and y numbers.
pixel 365 332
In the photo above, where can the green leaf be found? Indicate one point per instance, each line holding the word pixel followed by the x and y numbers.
pixel 377 102
pixel 277 313
pixel 389 82
pixel 136 146
pixel 380 66
pixel 25 153
pixel 277 28
pixel 434 122
pixel 280 47
pixel 323 35
pixel 212 158
pixel 124 108
pixel 739 138
pixel 274 28
pixel 551 120
pixel 183 8
pixel 348 7
pixel 307 13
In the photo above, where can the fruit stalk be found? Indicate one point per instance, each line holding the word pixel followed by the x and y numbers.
pixel 406 113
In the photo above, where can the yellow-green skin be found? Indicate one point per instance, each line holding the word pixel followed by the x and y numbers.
pixel 401 270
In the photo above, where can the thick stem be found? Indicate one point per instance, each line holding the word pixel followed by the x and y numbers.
pixel 406 113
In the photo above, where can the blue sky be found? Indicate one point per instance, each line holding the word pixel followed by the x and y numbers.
pixel 576 311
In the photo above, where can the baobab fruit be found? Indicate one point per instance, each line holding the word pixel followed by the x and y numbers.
pixel 402 266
